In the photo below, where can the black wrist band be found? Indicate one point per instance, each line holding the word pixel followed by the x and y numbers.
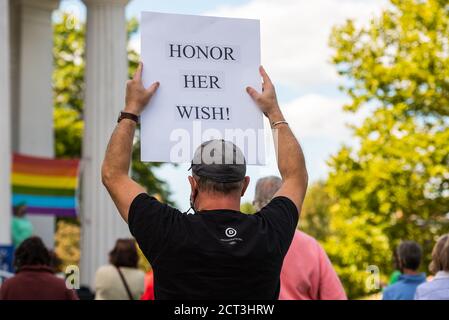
pixel 127 115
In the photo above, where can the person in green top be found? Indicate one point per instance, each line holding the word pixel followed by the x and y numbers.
pixel 394 277
pixel 21 227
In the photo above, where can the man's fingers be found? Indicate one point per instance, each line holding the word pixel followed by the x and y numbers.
pixel 252 92
pixel 152 89
pixel 138 73
pixel 265 77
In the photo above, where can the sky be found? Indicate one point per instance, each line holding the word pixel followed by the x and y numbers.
pixel 295 52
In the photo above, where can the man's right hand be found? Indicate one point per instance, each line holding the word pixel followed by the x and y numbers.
pixel 137 96
pixel 290 158
pixel 267 100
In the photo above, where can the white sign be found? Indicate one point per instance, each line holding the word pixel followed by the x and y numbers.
pixel 204 65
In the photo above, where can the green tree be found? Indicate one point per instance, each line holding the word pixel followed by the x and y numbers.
pixel 395 184
pixel 68 86
pixel 315 214
pixel 248 208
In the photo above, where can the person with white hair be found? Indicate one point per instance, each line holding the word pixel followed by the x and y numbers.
pixel 307 273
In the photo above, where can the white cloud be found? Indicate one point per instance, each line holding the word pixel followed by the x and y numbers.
pixel 295 33
pixel 321 126
pixel 317 116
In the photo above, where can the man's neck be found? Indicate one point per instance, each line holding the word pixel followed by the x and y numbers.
pixel 410 272
pixel 214 201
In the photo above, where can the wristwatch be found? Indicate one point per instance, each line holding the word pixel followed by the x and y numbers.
pixel 127 115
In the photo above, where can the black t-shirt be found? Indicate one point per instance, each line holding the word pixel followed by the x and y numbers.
pixel 214 254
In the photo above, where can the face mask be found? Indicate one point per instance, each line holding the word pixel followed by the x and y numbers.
pixel 192 204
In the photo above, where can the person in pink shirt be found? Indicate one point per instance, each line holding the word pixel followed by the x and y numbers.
pixel 307 273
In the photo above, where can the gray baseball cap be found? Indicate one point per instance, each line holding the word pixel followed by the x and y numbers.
pixel 220 161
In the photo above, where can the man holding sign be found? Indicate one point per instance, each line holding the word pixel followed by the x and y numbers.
pixel 217 252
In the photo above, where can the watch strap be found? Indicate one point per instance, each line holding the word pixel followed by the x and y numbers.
pixel 127 115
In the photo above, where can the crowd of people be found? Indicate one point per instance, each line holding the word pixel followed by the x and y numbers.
pixel 307 273
pixel 217 252
pixel 408 283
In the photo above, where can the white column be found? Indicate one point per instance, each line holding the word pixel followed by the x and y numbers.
pixel 36 67
pixel 35 112
pixel 106 75
pixel 5 129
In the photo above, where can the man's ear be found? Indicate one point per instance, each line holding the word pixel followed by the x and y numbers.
pixel 245 185
pixel 193 185
pixel 401 263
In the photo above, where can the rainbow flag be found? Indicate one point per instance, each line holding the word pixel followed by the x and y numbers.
pixel 46 186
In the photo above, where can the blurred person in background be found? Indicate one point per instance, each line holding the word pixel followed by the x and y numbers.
pixel 21 227
pixel 394 277
pixel 56 264
pixel 149 286
pixel 34 279
pixel 438 288
pixel 307 273
pixel 121 279
pixel 409 255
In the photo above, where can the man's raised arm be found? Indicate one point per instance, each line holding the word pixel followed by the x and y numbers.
pixel 290 157
pixel 114 172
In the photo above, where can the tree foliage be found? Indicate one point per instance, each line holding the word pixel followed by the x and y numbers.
pixel 315 218
pixel 248 208
pixel 395 184
pixel 68 86
pixel 67 243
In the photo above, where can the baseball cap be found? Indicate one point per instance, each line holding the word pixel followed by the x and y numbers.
pixel 220 161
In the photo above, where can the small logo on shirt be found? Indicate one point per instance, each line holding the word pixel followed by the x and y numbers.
pixel 230 232
pixel 231 235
